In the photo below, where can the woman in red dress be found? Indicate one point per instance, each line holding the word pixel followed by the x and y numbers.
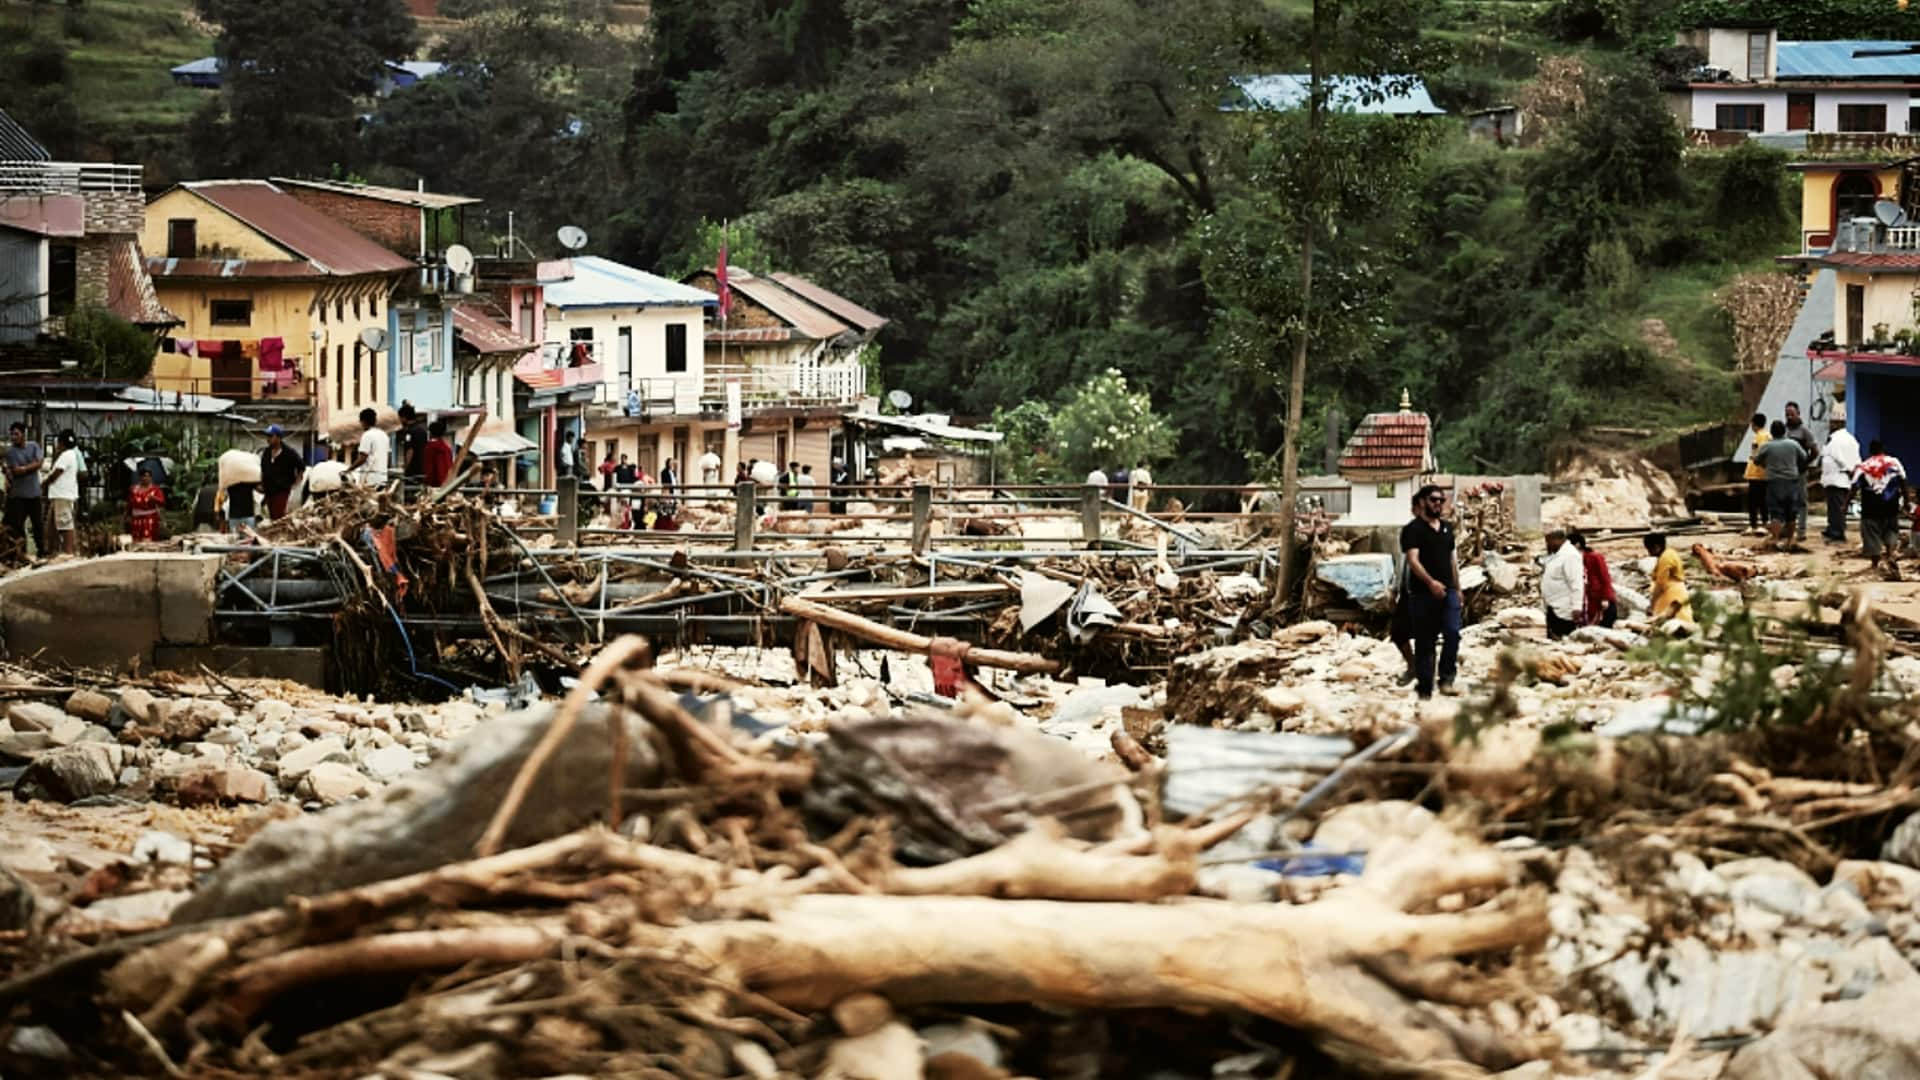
pixel 144 504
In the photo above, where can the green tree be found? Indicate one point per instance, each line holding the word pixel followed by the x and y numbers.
pixel 296 73
pixel 109 346
pixel 1107 424
pixel 1377 44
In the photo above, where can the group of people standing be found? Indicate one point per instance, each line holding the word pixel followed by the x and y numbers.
pixel 1782 461
pixel 1576 584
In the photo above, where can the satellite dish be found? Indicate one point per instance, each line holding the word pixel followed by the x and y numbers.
pixel 1889 213
pixel 459 259
pixel 374 338
pixel 573 237
pixel 900 399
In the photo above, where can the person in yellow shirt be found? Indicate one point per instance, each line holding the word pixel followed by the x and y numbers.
pixel 1757 478
pixel 1670 599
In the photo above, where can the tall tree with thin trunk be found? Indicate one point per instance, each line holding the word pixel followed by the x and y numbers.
pixel 1319 175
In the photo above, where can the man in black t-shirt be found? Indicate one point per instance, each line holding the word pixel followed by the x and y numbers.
pixel 1433 590
pixel 413 443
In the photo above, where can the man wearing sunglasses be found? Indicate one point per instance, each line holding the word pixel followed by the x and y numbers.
pixel 1433 590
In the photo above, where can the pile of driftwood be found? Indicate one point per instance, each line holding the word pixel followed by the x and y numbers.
pixel 767 911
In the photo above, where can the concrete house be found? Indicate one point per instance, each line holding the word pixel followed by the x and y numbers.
pixel 275 299
pixel 1754 83
pixel 69 236
pixel 642 335
pixel 792 347
pixel 1389 456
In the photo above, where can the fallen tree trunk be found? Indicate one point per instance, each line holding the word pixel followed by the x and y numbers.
pixel 1292 964
pixel 889 637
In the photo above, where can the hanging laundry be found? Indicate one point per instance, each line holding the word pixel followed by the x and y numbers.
pixel 187 346
pixel 166 345
pixel 250 349
pixel 273 352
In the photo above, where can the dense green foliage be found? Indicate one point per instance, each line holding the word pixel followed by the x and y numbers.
pixel 108 346
pixel 1037 191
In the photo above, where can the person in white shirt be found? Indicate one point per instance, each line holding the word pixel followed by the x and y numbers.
pixel 1837 462
pixel 1563 584
pixel 375 452
pixel 1097 478
pixel 63 491
pixel 805 483
pixel 566 455
pixel 1139 481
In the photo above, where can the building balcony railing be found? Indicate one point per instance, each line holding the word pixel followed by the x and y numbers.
pixel 773 386
pixel 560 365
pixel 258 388
pixel 68 178
pixel 1868 236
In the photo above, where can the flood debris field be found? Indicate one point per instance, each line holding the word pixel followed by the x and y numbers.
pixel 1147 821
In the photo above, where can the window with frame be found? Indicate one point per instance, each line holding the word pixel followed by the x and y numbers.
pixel 1740 117
pixel 1871 118
pixel 1757 57
pixel 182 242
pixel 230 312
pixel 676 348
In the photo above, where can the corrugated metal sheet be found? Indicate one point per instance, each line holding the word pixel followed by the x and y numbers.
pixel 17 145
pixel 830 301
pixel 322 241
pixel 427 200
pixel 599 282
pixel 46 215
pixel 20 286
pixel 1837 60
pixel 1396 95
pixel 1389 445
pixel 788 307
pixel 232 268
pixel 130 288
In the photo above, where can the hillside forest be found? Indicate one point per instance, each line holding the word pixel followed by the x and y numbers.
pixel 1059 199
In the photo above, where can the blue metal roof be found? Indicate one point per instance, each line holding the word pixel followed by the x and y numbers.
pixel 206 65
pixel 1836 60
pixel 1375 96
pixel 599 282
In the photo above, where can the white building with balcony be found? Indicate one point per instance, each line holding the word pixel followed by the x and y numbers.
pixel 1840 93
pixel 638 336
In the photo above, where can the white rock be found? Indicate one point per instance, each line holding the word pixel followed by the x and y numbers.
pixel 66 731
pixel 331 783
pixel 156 846
pixel 388 763
pixel 297 763
pixel 272 711
pixel 146 907
pixel 35 716
pixel 1521 618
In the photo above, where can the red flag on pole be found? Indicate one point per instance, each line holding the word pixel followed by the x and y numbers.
pixel 720 276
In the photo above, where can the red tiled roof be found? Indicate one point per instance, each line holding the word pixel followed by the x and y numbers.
pixel 130 289
pixel 485 334
pixel 847 310
pixel 1389 445
pixel 1864 260
pixel 331 247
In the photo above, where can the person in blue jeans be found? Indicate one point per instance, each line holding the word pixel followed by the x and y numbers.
pixel 1433 590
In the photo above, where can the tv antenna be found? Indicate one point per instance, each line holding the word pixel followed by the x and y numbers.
pixel 374 338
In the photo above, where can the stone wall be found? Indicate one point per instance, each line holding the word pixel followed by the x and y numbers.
pixel 115 212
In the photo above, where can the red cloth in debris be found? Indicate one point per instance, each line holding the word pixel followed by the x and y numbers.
pixel 386 547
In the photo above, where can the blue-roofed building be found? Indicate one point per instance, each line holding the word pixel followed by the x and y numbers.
pixel 203 73
pixel 1393 95
pixel 1754 83
pixel 642 333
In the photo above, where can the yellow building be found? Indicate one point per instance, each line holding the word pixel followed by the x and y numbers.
pixel 274 299
pixel 1832 192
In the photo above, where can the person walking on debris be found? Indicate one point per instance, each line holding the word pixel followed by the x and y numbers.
pixel 1881 480
pixel 1400 625
pixel 1670 599
pixel 280 469
pixel 1433 590
pixel 1757 478
pixel 1139 482
pixel 1783 461
pixel 437 466
pixel 63 492
pixel 1601 609
pixel 144 504
pixel 1837 462
pixel 23 515
pixel 1563 584
pixel 1802 435
pixel 371 458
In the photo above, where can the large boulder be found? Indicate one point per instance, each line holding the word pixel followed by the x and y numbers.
pixel 432 816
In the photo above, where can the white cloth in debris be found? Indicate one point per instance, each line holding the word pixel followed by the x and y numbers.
pixel 1839 459
pixel 1563 582
pixel 379 450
